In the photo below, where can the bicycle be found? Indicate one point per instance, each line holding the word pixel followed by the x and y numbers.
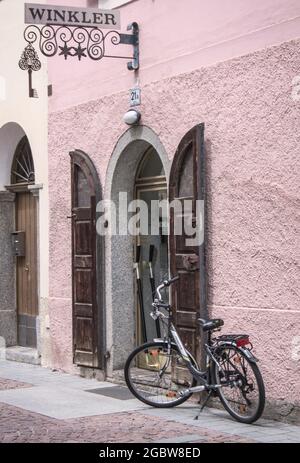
pixel 163 373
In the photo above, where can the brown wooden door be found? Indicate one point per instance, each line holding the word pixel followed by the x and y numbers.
pixel 87 319
pixel 189 294
pixel 26 270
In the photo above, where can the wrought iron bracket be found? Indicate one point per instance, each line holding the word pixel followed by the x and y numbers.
pixel 132 39
pixel 82 42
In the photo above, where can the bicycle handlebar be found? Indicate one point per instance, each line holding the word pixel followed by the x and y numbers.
pixel 171 280
pixel 164 284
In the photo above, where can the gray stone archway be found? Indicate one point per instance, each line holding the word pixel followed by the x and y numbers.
pixel 10 135
pixel 118 249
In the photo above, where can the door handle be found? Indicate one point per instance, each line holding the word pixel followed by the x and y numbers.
pixel 71 216
pixel 26 268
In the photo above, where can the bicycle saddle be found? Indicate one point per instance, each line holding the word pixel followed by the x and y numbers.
pixel 208 325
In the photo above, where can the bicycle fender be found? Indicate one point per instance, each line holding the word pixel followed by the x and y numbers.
pixel 244 350
pixel 248 354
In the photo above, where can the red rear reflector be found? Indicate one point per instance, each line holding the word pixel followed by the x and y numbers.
pixel 242 342
pixel 171 394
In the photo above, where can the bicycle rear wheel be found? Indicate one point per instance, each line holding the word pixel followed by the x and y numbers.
pixel 156 376
pixel 243 392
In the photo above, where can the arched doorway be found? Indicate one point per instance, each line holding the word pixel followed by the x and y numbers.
pixel 25 244
pixel 119 250
pixel 87 265
pixel 151 247
pixel 186 182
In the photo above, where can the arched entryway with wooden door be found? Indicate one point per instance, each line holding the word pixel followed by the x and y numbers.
pixel 24 272
pixel 186 181
pixel 87 265
pixel 123 176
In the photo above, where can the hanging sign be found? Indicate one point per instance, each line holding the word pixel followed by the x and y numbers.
pixel 36 13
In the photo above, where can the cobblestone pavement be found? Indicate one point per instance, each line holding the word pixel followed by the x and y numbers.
pixel 40 405
pixel 17 425
pixel 11 384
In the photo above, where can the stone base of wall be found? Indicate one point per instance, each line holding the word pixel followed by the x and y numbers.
pixel 8 327
pixel 92 373
pixel 283 411
pixel 277 410
pixel 22 354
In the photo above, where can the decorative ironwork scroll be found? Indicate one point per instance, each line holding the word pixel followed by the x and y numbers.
pixel 30 62
pixel 30 59
pixel 82 42
pixel 75 41
pixel 22 166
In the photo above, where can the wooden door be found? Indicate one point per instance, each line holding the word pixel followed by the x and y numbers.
pixel 87 311
pixel 157 192
pixel 26 270
pixel 189 294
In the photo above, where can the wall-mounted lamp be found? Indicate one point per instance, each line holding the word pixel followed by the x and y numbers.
pixel 132 117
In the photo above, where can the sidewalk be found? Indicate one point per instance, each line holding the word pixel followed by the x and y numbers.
pixel 39 405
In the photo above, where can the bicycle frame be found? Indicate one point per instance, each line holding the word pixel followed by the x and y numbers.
pixel 226 362
pixel 201 376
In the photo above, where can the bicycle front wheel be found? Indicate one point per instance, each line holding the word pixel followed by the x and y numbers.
pixel 156 375
pixel 242 393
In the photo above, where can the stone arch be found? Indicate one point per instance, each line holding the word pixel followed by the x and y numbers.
pixel 120 177
pixel 10 135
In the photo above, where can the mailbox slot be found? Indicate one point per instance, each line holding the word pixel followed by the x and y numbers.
pixel 18 243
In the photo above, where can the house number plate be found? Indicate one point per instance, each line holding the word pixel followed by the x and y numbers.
pixel 135 96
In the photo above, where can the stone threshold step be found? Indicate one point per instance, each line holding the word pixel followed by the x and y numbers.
pixel 23 355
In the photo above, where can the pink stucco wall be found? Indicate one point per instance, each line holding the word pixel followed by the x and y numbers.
pixel 175 40
pixel 252 145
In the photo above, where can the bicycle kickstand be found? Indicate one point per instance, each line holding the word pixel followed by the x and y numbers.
pixel 204 404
